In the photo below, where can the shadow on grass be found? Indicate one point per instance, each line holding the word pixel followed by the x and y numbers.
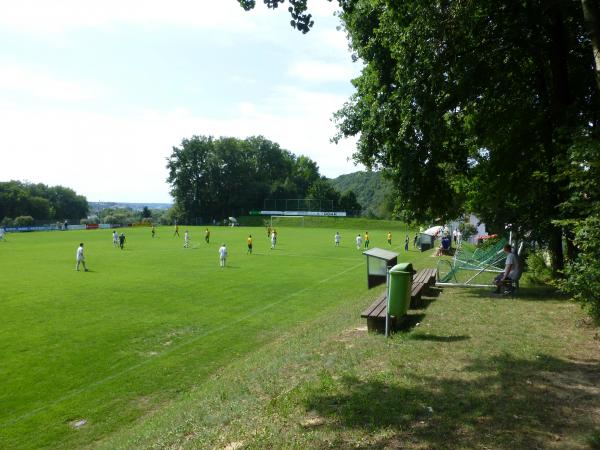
pixel 524 293
pixel 435 338
pixel 504 403
pixel 408 322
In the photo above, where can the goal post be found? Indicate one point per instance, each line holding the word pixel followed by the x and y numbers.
pixel 287 221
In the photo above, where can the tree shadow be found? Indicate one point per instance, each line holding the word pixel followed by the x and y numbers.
pixel 504 403
pixel 435 338
pixel 524 293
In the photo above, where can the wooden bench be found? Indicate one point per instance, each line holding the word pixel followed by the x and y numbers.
pixel 375 314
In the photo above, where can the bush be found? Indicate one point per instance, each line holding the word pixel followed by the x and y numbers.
pixel 582 275
pixel 538 270
pixel 23 221
pixel 7 222
pixel 147 220
pixel 89 220
pixel 467 230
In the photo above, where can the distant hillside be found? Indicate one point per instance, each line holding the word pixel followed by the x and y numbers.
pixel 370 188
pixel 99 206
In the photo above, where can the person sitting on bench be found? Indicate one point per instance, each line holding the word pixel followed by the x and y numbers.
pixel 511 269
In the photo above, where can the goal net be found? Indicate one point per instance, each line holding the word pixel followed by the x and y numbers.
pixel 287 221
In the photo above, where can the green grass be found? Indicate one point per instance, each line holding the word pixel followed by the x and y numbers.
pixel 148 323
pixel 158 347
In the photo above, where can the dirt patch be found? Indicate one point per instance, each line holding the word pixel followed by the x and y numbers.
pixel 313 422
pixel 234 445
pixel 351 334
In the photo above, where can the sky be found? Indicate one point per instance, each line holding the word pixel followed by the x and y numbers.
pixel 94 95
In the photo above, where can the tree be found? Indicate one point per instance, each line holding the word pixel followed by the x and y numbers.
pixel 472 105
pixel 349 202
pixel 146 213
pixel 322 189
pixel 304 173
pixel 41 202
pixel 216 178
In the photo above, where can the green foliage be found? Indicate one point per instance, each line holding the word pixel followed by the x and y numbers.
pixel 538 271
pixel 41 202
pixel 118 216
pixel 372 191
pixel 217 178
pixel 23 221
pixel 467 230
pixel 582 280
pixel 300 18
pixel 146 213
pixel 465 113
pixel 7 222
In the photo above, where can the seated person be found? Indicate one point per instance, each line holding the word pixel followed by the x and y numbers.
pixel 511 268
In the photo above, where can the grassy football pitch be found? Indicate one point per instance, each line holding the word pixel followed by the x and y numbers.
pixel 150 322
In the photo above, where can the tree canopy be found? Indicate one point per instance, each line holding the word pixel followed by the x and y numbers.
pixel 476 105
pixel 40 202
pixel 216 178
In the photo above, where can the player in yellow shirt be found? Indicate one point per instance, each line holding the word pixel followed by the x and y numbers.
pixel 207 236
pixel 389 237
pixel 250 244
pixel 366 239
pixel 176 231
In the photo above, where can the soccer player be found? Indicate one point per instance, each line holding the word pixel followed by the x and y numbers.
pixel 389 238
pixel 153 231
pixel 337 238
pixel 122 240
pixel 406 241
pixel 415 240
pixel 358 241
pixel 250 243
pixel 366 239
pixel 80 258
pixel 207 236
pixel 273 239
pixel 223 255
pixel 176 230
pixel 115 239
pixel 268 231
pixel 186 239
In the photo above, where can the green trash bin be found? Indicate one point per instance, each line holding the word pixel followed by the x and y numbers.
pixel 400 285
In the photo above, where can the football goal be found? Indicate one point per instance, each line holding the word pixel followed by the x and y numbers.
pixel 287 221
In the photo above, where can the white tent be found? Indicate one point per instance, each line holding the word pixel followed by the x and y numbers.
pixel 433 230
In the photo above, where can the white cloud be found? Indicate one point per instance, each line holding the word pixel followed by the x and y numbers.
pixel 107 157
pixel 62 15
pixel 37 83
pixel 321 71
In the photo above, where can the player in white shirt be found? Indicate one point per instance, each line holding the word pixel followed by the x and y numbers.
pixel 223 255
pixel 358 241
pixel 186 239
pixel 115 239
pixel 80 258
pixel 273 240
pixel 337 238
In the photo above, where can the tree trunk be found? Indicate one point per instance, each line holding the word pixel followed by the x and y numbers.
pixel 556 250
pixel 591 17
pixel 571 248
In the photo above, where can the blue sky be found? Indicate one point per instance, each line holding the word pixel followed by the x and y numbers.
pixel 94 95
